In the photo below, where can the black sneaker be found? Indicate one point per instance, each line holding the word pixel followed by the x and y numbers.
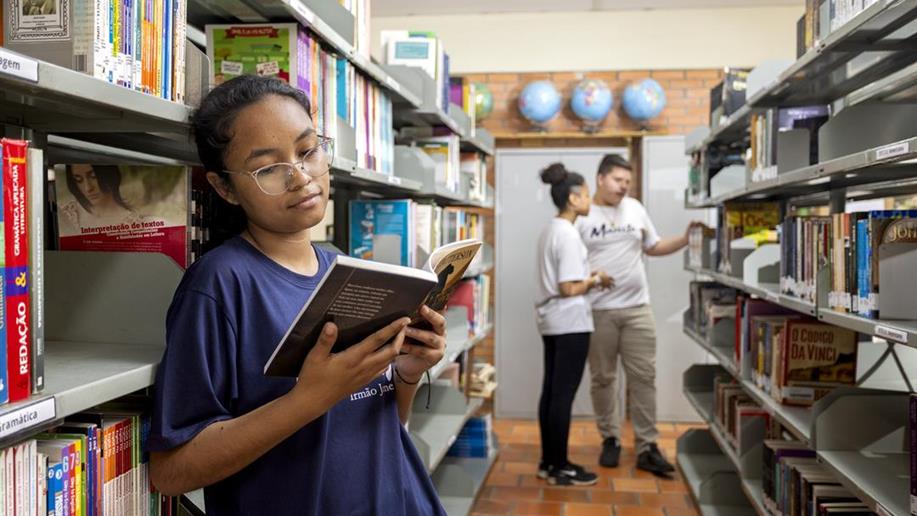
pixel 652 460
pixel 611 453
pixel 571 475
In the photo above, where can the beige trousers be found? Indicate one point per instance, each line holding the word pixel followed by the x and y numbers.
pixel 631 334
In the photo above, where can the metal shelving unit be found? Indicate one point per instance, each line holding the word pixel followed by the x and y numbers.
pixel 482 141
pixel 765 291
pixel 459 480
pixel 875 469
pixel 60 100
pixel 104 345
pixel 712 478
pixel 881 164
pixel 798 420
pixel 81 375
pixel 865 49
pixel 858 434
pixel 734 128
pixel 306 12
pixel 435 432
pixel 903 332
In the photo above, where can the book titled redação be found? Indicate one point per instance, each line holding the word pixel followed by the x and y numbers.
pixel 361 297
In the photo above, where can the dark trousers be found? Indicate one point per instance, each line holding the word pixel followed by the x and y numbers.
pixel 564 361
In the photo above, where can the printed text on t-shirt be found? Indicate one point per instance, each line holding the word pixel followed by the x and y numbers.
pixel 604 230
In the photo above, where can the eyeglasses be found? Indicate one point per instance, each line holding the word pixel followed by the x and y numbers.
pixel 278 178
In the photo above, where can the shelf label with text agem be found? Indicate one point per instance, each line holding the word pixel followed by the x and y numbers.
pixel 28 416
pixel 18 66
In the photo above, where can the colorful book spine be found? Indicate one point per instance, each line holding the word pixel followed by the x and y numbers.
pixel 4 381
pixel 179 37
pixel 55 488
pixel 16 267
pixel 36 264
pixel 167 49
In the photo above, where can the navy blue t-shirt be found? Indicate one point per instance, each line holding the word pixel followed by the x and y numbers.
pixel 229 312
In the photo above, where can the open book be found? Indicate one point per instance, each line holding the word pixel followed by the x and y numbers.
pixel 361 297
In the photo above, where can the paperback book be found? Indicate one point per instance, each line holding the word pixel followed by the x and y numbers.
pixel 361 297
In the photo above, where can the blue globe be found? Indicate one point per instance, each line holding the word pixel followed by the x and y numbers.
pixel 591 101
pixel 643 100
pixel 539 102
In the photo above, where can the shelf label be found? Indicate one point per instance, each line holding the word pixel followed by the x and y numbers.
pixel 771 296
pixel 27 417
pixel 304 12
pixel 887 332
pixel 762 174
pixel 394 180
pixel 890 151
pixel 18 66
pixel 392 84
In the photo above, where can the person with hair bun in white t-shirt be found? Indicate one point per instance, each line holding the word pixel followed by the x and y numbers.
pixel 564 316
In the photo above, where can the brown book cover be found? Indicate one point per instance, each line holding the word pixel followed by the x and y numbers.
pixel 816 357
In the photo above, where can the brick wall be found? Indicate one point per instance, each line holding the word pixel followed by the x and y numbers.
pixel 687 100
pixel 687 106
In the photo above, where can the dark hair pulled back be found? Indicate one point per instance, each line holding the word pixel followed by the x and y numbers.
pixel 562 183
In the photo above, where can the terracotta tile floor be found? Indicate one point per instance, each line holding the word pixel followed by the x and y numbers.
pixel 513 488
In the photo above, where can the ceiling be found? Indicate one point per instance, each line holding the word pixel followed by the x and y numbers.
pixel 435 7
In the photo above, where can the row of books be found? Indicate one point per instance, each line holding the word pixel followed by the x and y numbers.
pixel 871 253
pixel 137 44
pixel 422 50
pixel 734 409
pixel 751 223
pixel 798 359
pixel 822 17
pixel 728 96
pixel 794 483
pixel 474 294
pixel 709 301
pixel 475 440
pixel 794 358
pixel 405 232
pixel 842 11
pixel 803 252
pixel 339 93
pixel 444 148
pixel 94 463
pixel 800 141
pixel 462 93
pixel 21 217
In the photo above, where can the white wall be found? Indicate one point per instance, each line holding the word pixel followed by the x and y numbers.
pixel 608 40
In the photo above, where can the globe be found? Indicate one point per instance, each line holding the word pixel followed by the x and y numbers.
pixel 483 101
pixel 539 102
pixel 591 101
pixel 643 100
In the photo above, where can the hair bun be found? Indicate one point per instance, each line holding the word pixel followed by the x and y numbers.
pixel 555 174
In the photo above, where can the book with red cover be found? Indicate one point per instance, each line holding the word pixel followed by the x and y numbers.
pixel 16 248
pixel 463 295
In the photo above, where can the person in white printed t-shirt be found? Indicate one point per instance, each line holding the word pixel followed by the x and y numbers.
pixel 618 233
pixel 564 319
